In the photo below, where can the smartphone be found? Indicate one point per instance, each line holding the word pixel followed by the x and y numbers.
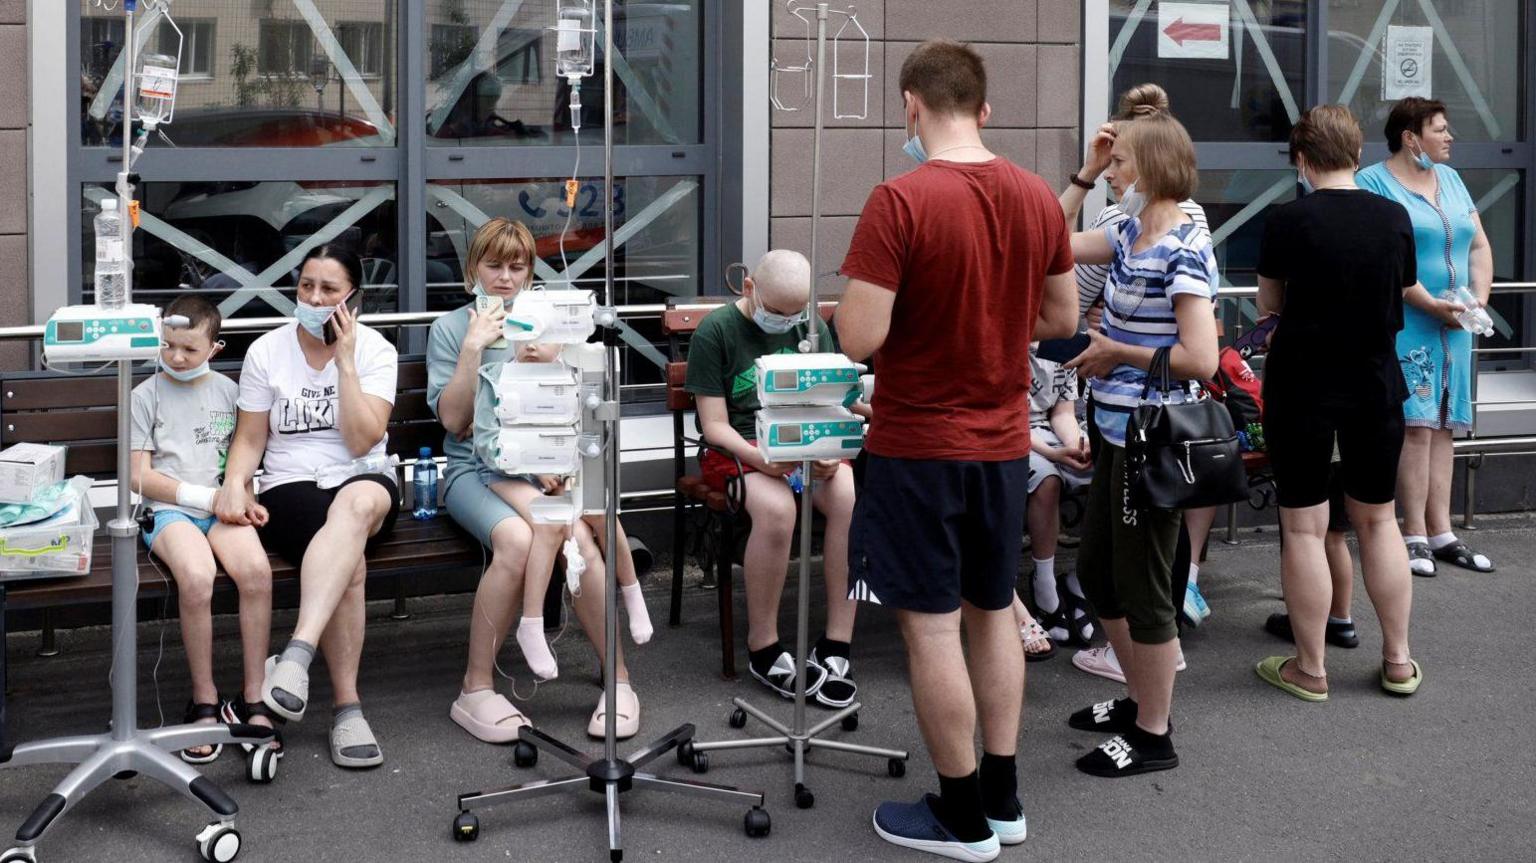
pixel 1062 350
pixel 353 302
pixel 486 305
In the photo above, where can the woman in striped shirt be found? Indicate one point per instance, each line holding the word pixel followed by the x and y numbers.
pixel 1158 293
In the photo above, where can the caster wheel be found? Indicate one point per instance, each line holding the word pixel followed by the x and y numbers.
pixel 18 855
pixel 896 768
pixel 466 827
pixel 218 843
pixel 261 765
pixel 700 762
pixel 685 753
pixel 757 822
pixel 851 722
pixel 804 799
pixel 524 754
pixel 738 718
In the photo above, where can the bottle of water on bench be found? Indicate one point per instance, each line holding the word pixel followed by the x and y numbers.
pixel 424 482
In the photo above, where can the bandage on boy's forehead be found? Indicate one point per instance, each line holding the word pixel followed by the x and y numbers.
pixel 201 315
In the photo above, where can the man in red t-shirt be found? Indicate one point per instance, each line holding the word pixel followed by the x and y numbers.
pixel 954 269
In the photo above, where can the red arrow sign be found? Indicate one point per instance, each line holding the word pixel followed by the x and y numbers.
pixel 1180 32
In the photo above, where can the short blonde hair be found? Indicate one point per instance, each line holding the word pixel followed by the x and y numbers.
pixel 500 239
pixel 1165 157
pixel 1328 137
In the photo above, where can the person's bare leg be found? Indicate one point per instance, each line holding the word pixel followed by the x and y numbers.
pixel 239 549
pixel 184 550
pixel 640 628
pixel 496 601
pixel 589 606
pixel 1043 515
pixel 1119 634
pixel 942 695
pixel 1305 580
pixel 342 640
pixel 1341 571
pixel 542 552
pixel 1197 522
pixel 996 665
pixel 1384 565
pixel 1413 480
pixel 771 505
pixel 334 554
pixel 1152 669
pixel 834 497
pixel 1442 463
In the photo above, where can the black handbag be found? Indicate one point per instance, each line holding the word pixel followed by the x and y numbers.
pixel 1181 455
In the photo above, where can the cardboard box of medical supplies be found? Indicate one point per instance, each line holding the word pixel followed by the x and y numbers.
pixel 27 467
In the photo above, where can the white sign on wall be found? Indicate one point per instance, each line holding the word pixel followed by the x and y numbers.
pixel 1406 63
pixel 1194 30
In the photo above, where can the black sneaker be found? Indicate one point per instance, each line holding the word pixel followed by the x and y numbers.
pixel 837 689
pixel 780 677
pixel 1337 634
pixel 1117 716
pixel 1120 756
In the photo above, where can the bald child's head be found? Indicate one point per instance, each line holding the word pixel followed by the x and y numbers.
pixel 781 281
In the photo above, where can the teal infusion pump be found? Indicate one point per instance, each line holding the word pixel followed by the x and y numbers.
pixel 806 379
pixel 804 414
pixel 94 334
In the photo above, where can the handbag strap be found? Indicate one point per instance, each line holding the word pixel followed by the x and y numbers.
pixel 1159 370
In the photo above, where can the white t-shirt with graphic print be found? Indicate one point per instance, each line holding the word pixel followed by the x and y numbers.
pixel 303 403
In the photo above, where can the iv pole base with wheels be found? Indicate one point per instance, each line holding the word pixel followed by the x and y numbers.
pixel 796 737
pixel 125 750
pixel 608 774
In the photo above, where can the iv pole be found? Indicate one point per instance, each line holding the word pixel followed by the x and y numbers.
pixel 796 737
pixel 126 750
pixel 608 775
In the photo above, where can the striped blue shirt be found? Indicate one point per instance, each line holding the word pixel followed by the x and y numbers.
pixel 1138 308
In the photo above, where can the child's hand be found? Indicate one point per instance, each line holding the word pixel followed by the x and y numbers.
pixel 777 469
pixel 550 483
pixel 258 515
pixel 825 468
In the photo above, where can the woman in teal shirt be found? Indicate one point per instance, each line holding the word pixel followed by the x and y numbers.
pixel 1434 351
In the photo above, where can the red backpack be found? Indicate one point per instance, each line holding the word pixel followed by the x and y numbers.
pixel 1238 387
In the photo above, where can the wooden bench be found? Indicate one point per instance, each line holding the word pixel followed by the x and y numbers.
pixel 720 521
pixel 80 412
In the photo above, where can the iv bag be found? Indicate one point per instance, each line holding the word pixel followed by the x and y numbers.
pixel 575 39
pixel 157 89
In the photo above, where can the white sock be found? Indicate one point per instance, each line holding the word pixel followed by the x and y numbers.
pixel 1410 540
pixel 639 616
pixel 530 637
pixel 1340 621
pixel 1441 540
pixel 1045 585
pixel 1194 574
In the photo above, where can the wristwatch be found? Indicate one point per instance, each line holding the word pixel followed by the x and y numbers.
pixel 1080 182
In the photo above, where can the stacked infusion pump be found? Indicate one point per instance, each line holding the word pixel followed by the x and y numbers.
pixel 804 414
pixel 547 415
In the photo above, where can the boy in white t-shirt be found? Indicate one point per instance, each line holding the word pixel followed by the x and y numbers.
pixel 182 421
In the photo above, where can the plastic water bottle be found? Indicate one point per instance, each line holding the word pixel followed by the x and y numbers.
pixel 1474 318
pixel 425 484
pixel 111 266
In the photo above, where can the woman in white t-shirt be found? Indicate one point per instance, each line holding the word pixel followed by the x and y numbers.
pixel 317 393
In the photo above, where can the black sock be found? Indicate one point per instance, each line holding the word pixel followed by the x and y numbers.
pixel 763 659
pixel 959 808
pixel 999 787
pixel 826 647
pixel 1149 744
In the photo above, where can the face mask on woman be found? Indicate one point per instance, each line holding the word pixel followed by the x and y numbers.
pixel 1132 202
pixel 479 289
pixel 1422 158
pixel 775 324
pixel 313 318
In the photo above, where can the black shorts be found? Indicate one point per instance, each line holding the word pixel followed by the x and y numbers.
pixel 1301 435
pixel 297 510
pixel 927 534
pixel 1338 514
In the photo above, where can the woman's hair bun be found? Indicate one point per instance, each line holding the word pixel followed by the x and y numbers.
pixel 1143 100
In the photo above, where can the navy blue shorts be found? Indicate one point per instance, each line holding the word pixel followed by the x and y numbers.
pixel 927 534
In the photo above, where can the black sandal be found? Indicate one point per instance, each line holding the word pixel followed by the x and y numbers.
pixel 1458 554
pixel 240 713
pixel 195 713
pixel 1079 619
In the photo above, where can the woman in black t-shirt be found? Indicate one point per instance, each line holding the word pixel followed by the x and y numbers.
pixel 1338 264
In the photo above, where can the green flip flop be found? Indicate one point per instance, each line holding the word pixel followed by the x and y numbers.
pixel 1406 687
pixel 1269 671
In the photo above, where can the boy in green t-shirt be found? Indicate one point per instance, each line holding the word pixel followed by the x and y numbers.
pixel 770 318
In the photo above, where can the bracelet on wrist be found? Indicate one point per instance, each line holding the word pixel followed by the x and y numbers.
pixel 1079 182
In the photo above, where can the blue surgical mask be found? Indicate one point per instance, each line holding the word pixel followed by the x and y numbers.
pixel 313 318
pixel 1132 202
pixel 189 375
pixel 775 324
pixel 479 290
pixel 1422 158
pixel 914 147
pixel 1306 185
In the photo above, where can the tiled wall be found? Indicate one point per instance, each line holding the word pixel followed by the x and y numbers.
pixel 15 284
pixel 1031 50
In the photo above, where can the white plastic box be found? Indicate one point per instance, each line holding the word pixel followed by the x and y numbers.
pixel 28 467
pixel 40 550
